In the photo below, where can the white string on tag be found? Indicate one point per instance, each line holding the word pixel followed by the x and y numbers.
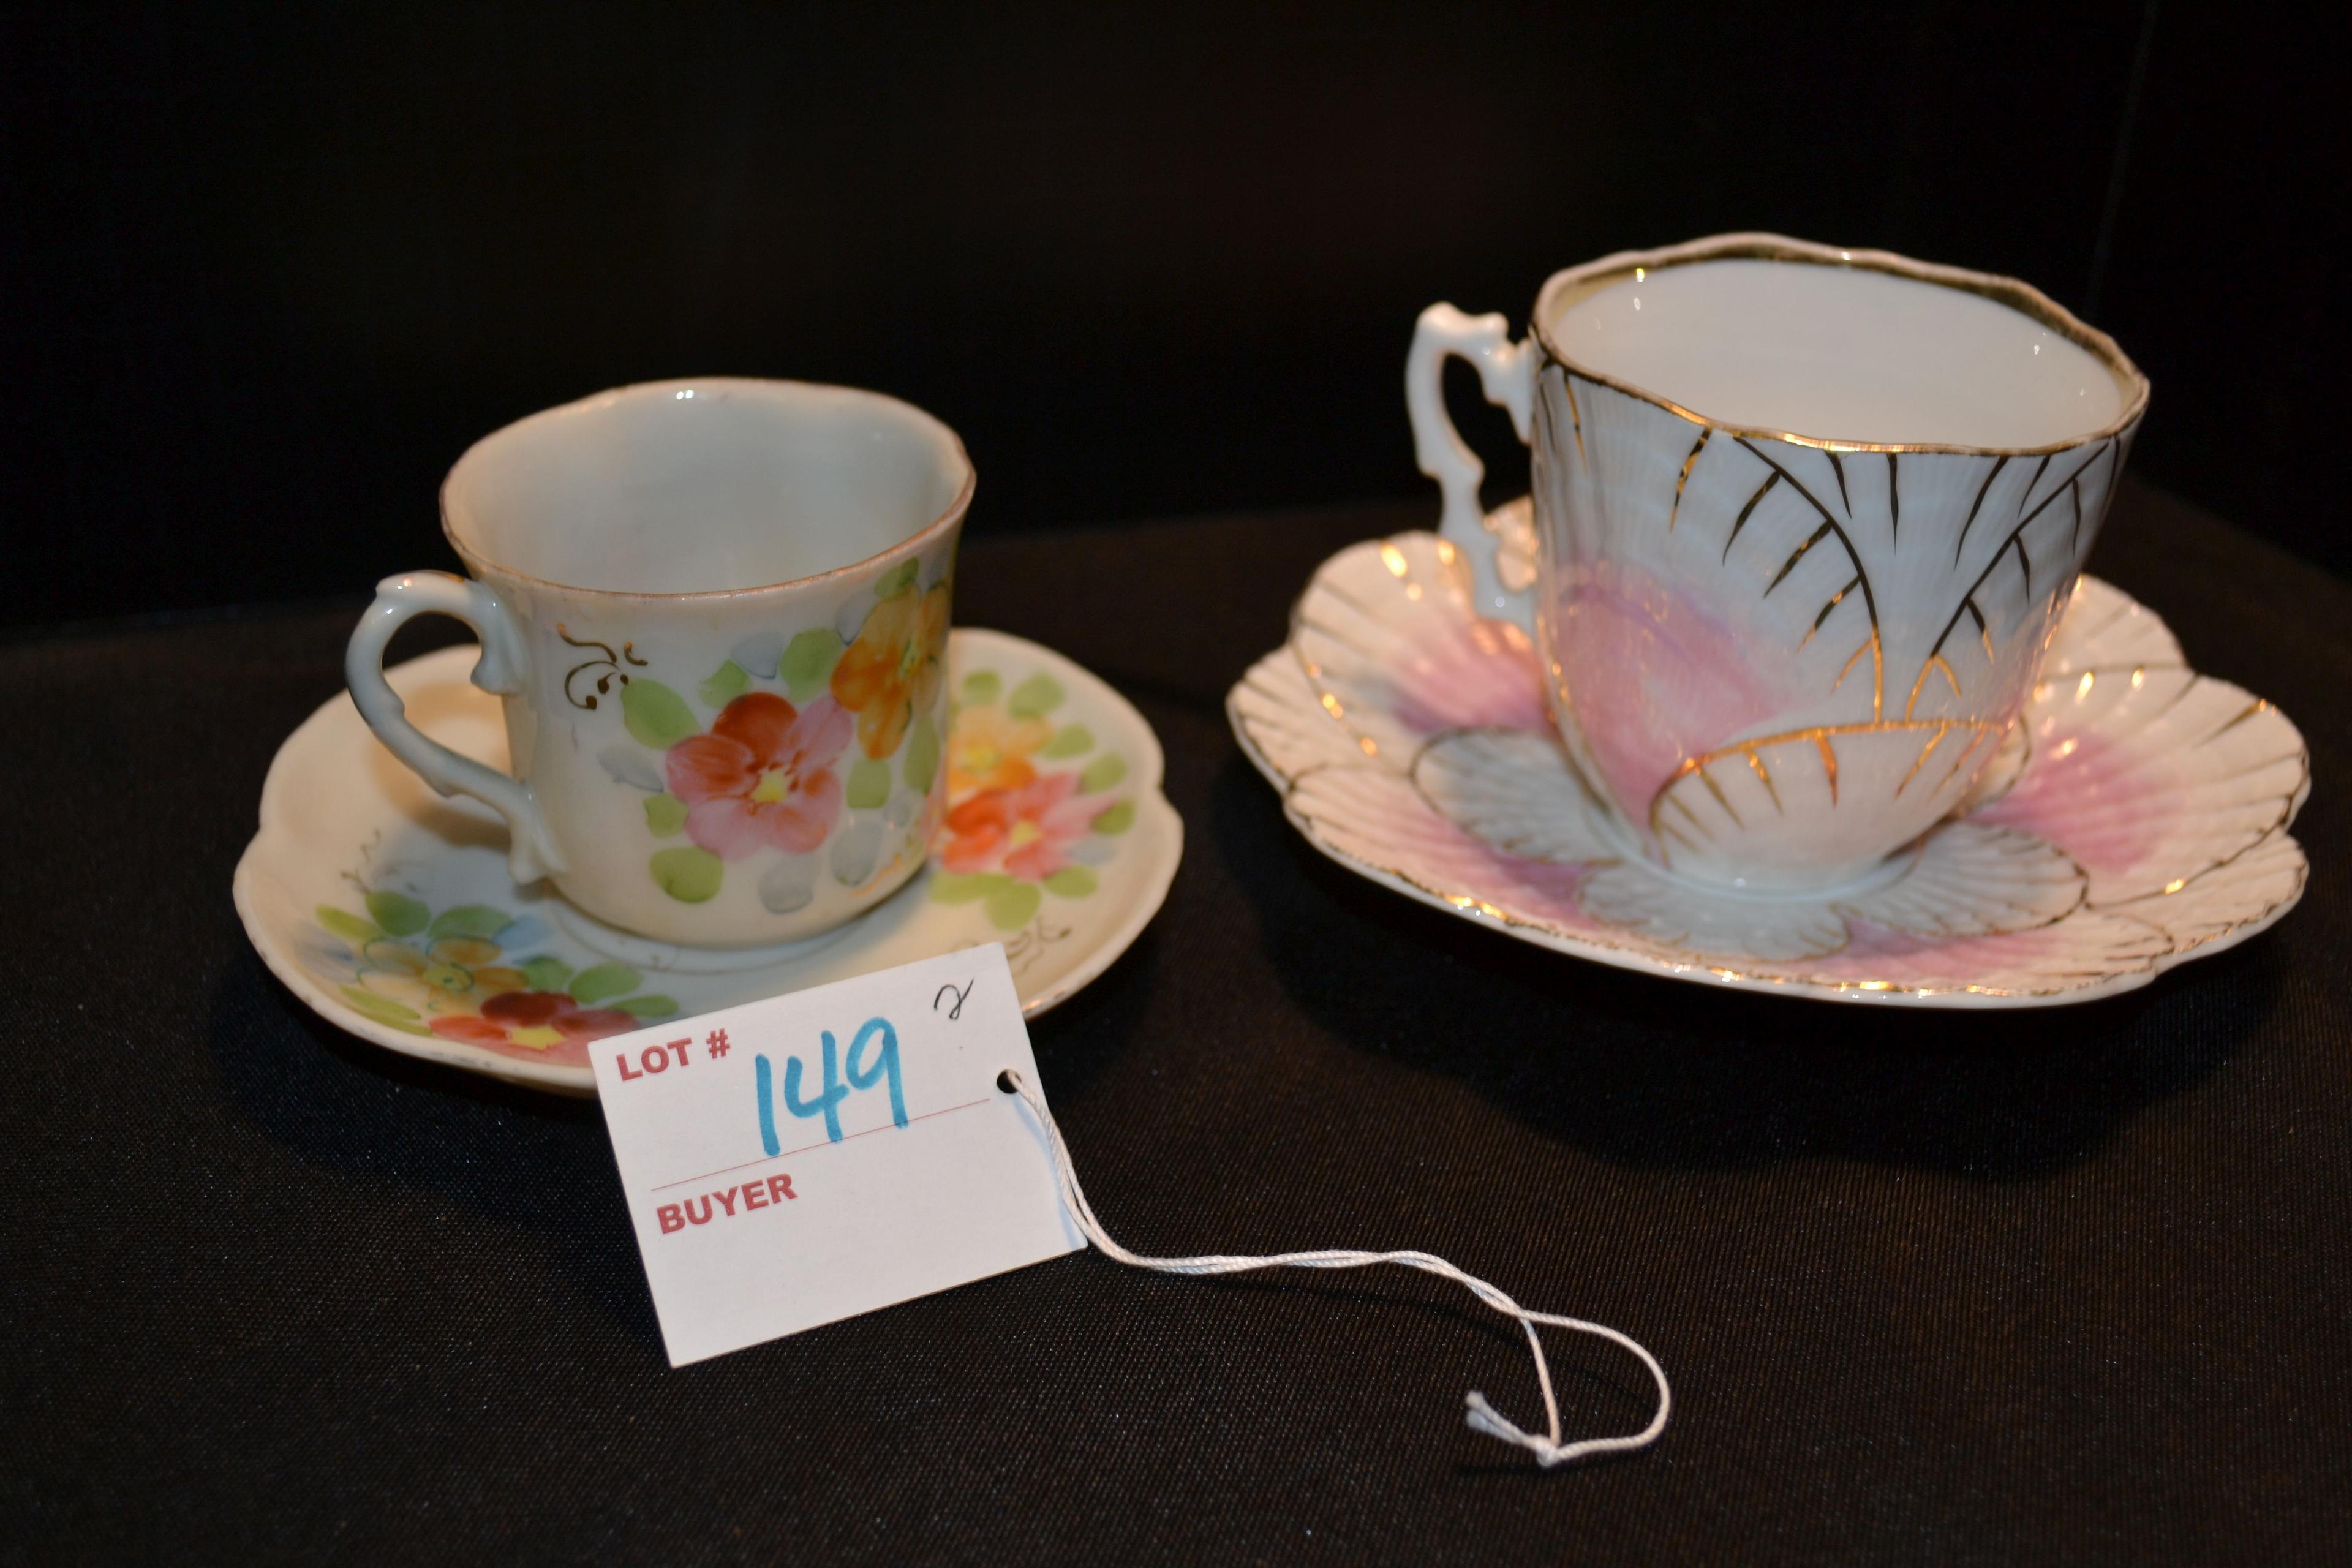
pixel 1547 1447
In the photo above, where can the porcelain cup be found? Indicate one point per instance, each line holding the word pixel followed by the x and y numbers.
pixel 1804 521
pixel 716 611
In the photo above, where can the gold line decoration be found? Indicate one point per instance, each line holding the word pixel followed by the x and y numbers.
pixel 1683 478
pixel 2040 468
pixel 1982 490
pixel 1921 759
pixel 610 664
pixel 1853 559
pixel 1849 663
pixel 1721 799
pixel 1835 599
pixel 1791 565
pixel 1676 801
pixel 1575 420
pixel 1935 662
pixel 1821 735
pixel 2259 705
pixel 1764 777
pixel 1749 511
pixel 1984 732
pixel 2016 537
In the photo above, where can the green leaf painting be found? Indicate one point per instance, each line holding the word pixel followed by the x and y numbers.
pixel 379 1006
pixel 869 785
pixel 397 913
pixel 921 757
pixel 1071 882
pixel 470 919
pixel 808 660
pixel 655 715
pixel 727 683
pixel 964 888
pixel 1010 908
pixel 350 927
pixel 602 981
pixel 463 987
pixel 1035 698
pixel 690 875
pixel 665 815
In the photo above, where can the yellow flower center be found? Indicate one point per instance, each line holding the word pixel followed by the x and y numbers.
pixel 773 786
pixel 911 657
pixel 982 759
pixel 537 1036
pixel 1025 832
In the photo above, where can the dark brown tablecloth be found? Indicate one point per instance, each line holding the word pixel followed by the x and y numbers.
pixel 2054 1286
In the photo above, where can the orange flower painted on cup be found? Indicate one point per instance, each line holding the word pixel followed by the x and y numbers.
pixel 893 671
pixel 990 749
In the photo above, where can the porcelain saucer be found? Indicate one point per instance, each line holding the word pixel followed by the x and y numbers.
pixel 2135 817
pixel 390 912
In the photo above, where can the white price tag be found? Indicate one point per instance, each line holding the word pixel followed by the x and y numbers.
pixel 821 1154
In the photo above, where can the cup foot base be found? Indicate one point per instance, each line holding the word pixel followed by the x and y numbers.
pixel 1870 879
pixel 670 957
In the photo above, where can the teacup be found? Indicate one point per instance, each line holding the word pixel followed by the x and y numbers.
pixel 1805 521
pixel 718 612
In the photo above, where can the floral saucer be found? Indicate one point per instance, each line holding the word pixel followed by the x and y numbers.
pixel 390 912
pixel 2135 817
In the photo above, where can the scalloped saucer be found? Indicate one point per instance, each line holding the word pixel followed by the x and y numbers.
pixel 389 911
pixel 2135 817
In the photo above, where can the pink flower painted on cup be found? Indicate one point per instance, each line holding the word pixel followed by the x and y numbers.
pixel 763 777
pixel 1024 833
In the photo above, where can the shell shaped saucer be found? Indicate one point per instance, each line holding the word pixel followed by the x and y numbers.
pixel 389 910
pixel 2135 818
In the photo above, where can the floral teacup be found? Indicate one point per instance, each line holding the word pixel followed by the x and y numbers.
pixel 718 612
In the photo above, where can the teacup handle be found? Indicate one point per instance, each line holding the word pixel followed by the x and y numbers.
pixel 531 852
pixel 1506 374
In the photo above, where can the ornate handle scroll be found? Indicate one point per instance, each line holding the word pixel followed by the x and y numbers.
pixel 531 851
pixel 1506 374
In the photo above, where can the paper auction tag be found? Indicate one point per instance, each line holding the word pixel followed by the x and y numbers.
pixel 821 1154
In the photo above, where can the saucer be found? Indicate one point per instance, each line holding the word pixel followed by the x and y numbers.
pixel 389 910
pixel 2135 817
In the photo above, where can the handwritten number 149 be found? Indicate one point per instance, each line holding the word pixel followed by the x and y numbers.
pixel 863 1072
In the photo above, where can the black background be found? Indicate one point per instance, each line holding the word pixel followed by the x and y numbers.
pixel 2051 1287
pixel 268 270
pixel 2058 1287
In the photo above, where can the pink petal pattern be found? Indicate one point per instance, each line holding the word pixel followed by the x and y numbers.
pixel 2146 822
